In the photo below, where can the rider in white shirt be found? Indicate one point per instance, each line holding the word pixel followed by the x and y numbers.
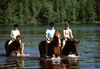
pixel 67 33
pixel 13 35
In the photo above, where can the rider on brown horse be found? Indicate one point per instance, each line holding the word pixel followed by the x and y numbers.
pixel 49 35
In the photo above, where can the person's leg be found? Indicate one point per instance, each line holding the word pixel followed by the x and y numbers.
pixel 47 47
pixel 22 48
pixel 63 44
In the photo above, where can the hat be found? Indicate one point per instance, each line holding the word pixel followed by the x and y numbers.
pixel 66 24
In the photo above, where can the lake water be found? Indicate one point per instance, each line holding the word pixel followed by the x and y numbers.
pixel 89 48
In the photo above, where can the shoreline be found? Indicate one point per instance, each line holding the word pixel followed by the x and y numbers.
pixel 73 23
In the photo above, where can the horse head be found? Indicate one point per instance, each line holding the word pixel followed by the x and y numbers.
pixel 19 39
pixel 72 45
pixel 57 36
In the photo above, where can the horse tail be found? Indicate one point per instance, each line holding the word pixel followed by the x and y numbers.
pixel 42 48
pixel 39 47
pixel 6 44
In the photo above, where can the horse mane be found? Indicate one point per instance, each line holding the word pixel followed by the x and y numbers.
pixel 19 38
pixel 72 40
pixel 55 38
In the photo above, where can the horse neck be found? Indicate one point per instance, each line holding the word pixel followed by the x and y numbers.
pixel 19 40
pixel 16 44
pixel 55 39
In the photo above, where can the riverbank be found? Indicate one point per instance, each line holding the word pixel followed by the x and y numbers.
pixel 40 24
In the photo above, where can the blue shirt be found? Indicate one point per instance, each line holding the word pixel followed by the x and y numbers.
pixel 50 33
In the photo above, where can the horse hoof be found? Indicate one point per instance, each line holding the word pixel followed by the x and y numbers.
pixel 25 54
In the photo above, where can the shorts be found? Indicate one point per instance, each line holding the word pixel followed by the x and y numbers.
pixel 64 41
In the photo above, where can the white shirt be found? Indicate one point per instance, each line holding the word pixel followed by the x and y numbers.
pixel 67 33
pixel 15 33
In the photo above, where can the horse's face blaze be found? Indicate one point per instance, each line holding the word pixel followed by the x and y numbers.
pixel 20 40
pixel 57 34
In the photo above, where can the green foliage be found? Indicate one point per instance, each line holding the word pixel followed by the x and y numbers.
pixel 42 12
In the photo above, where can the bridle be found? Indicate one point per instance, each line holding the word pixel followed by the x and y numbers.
pixel 57 36
pixel 20 40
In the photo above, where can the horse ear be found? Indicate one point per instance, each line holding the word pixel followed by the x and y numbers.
pixel 22 37
pixel 55 30
pixel 78 41
pixel 59 31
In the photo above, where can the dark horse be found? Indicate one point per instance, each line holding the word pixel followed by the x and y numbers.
pixel 71 47
pixel 53 46
pixel 14 46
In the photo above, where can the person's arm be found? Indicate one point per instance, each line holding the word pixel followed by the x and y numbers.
pixel 70 31
pixel 11 35
pixel 19 33
pixel 47 37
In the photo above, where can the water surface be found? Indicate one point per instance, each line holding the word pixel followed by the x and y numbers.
pixel 89 48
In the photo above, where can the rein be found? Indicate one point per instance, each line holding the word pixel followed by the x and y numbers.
pixel 19 39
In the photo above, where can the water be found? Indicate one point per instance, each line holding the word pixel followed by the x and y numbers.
pixel 89 48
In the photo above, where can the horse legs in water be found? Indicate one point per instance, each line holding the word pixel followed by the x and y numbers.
pixel 22 48
pixel 15 53
pixel 42 48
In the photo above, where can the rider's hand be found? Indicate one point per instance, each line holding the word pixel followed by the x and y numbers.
pixel 13 38
pixel 48 39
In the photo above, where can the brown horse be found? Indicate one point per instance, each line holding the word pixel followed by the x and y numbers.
pixel 53 46
pixel 14 46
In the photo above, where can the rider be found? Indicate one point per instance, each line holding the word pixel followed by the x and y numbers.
pixel 13 35
pixel 49 34
pixel 67 33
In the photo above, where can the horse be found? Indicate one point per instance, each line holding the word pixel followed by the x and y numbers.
pixel 15 46
pixel 71 47
pixel 53 46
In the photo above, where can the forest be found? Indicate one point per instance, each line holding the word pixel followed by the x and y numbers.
pixel 42 12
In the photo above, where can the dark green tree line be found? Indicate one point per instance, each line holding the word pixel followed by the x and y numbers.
pixel 42 12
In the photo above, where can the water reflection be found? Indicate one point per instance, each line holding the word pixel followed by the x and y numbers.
pixel 70 63
pixel 14 62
